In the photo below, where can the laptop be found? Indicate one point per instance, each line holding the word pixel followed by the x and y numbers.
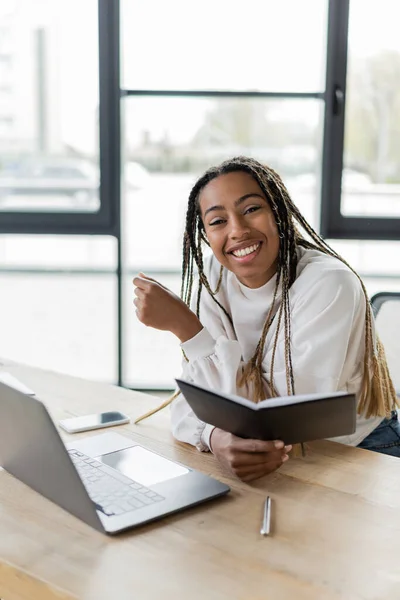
pixel 108 481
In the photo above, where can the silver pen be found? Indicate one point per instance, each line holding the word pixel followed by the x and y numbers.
pixel 266 524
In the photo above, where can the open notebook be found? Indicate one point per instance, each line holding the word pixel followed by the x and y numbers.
pixel 293 419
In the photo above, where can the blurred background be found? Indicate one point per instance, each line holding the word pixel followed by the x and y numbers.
pixel 109 111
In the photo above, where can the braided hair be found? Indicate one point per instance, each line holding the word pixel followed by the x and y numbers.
pixel 377 394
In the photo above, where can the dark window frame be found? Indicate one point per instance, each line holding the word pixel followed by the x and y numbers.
pixel 106 221
pixel 333 224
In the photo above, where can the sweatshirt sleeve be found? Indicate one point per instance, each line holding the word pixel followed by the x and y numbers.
pixel 213 360
pixel 211 363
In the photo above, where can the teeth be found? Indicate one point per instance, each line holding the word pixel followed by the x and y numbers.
pixel 245 251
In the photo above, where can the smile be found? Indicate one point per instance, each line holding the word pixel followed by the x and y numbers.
pixel 247 253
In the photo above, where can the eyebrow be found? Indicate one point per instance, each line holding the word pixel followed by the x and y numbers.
pixel 238 202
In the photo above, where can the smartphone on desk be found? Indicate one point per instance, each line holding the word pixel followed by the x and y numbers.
pixel 96 421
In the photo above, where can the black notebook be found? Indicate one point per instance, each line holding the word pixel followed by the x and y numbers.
pixel 292 419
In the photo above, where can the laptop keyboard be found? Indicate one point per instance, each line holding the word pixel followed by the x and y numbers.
pixel 112 495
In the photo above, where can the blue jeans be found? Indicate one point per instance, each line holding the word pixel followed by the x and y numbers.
pixel 385 438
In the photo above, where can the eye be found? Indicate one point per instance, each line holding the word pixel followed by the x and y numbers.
pixel 251 209
pixel 216 222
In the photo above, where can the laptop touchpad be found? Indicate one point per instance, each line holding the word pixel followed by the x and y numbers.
pixel 142 465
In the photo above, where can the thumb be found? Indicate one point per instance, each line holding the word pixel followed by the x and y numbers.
pixel 143 276
pixel 146 277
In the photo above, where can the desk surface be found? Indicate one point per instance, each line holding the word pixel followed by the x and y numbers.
pixel 335 526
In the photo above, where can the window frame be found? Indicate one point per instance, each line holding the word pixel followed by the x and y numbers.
pixel 106 221
pixel 333 224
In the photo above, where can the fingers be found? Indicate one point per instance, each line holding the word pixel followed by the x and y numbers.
pixel 142 283
pixel 251 472
pixel 139 292
pixel 247 459
pixel 248 445
pixel 143 276
pixel 252 476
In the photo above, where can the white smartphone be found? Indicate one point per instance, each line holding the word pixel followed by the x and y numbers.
pixel 97 421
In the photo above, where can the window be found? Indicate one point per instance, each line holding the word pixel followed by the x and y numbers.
pixel 58 303
pixel 49 118
pixel 371 175
pixel 361 192
pixel 169 142
pixel 60 298
pixel 198 84
pixel 266 45
pixel 240 89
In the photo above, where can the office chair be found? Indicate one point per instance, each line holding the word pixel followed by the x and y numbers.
pixel 386 308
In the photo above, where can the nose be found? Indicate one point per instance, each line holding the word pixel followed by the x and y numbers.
pixel 239 228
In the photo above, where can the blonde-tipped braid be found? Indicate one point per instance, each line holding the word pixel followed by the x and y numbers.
pixel 377 396
pixel 160 407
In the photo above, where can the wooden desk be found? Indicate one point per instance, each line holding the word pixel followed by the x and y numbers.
pixel 335 530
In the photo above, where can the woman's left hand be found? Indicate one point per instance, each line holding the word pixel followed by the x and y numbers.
pixel 158 307
pixel 246 458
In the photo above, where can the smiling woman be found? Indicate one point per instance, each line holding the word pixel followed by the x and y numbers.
pixel 275 312
pixel 240 229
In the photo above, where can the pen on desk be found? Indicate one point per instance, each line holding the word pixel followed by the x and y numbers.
pixel 265 529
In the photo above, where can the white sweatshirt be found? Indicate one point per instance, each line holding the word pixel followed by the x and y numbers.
pixel 328 323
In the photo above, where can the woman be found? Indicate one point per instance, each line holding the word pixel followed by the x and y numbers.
pixel 273 313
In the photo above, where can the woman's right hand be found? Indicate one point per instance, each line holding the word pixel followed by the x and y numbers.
pixel 246 458
pixel 158 307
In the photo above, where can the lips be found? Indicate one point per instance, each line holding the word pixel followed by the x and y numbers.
pixel 246 254
pixel 246 247
pixel 246 251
